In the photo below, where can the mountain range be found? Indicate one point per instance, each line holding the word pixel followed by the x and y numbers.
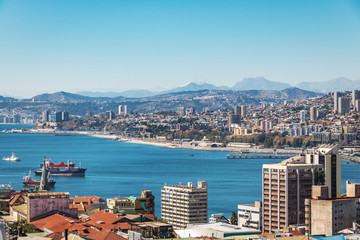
pixel 212 99
pixel 257 83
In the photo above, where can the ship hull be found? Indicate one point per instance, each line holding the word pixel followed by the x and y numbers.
pixel 67 172
pixel 37 184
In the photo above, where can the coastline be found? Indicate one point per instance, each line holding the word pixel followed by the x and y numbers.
pixel 153 142
pixel 190 147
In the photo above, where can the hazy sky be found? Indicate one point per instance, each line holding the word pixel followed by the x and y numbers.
pixel 52 45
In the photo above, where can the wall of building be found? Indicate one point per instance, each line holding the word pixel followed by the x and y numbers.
pixel 40 206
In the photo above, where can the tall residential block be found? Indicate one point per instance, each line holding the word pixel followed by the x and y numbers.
pixel 243 111
pixel 285 187
pixel 181 111
pixel 344 105
pixel 330 173
pixel 302 116
pixel 182 205
pixel 234 119
pixel 357 105
pixel 45 116
pixel 237 110
pixel 313 113
pixel 355 95
pixel 336 102
pixel 123 110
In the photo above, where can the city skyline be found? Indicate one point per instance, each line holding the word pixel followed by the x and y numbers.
pixel 62 45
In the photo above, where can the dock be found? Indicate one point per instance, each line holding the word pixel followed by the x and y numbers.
pixel 259 156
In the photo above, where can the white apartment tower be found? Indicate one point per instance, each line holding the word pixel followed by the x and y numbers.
pixel 302 116
pixel 336 101
pixel 122 109
pixel 182 205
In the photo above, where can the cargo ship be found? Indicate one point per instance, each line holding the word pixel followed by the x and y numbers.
pixel 67 172
pixel 28 181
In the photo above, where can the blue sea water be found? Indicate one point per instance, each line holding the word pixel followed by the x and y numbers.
pixel 125 169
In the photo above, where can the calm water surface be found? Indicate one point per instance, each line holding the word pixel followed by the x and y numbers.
pixel 124 169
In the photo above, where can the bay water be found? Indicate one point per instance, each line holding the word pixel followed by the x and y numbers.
pixel 125 169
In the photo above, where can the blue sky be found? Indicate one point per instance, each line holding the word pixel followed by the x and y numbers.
pixel 48 46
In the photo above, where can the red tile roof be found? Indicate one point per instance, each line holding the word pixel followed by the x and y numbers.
pixel 105 235
pixel 87 200
pixel 55 223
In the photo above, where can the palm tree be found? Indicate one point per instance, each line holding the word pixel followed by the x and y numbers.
pixel 233 218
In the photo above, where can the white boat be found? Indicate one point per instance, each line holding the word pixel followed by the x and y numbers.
pixel 13 158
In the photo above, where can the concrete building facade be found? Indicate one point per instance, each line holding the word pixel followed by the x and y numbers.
pixel 326 216
pixel 182 205
pixel 285 187
pixel 344 105
pixel 250 216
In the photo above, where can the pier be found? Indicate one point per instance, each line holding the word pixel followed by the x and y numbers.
pixel 258 156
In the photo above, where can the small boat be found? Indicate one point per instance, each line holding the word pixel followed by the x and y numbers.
pixel 30 182
pixel 12 158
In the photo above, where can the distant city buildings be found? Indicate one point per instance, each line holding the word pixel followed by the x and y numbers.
pixel 110 115
pixel 55 116
pixel 181 111
pixel 182 205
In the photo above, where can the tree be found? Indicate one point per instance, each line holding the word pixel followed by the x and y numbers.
pixel 233 218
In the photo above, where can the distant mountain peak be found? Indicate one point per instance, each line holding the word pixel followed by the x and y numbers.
pixel 340 84
pixel 259 83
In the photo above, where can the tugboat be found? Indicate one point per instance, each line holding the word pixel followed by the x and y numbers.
pixel 13 158
pixel 67 171
pixel 28 181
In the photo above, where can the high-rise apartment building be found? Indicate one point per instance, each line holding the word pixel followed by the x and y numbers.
pixel 336 102
pixel 181 205
pixel 237 110
pixel 313 113
pixel 45 116
pixel 355 95
pixel 234 119
pixel 123 110
pixel 243 111
pixel 302 116
pixel 286 185
pixel 328 157
pixel 181 111
pixel 357 105
pixel 344 105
